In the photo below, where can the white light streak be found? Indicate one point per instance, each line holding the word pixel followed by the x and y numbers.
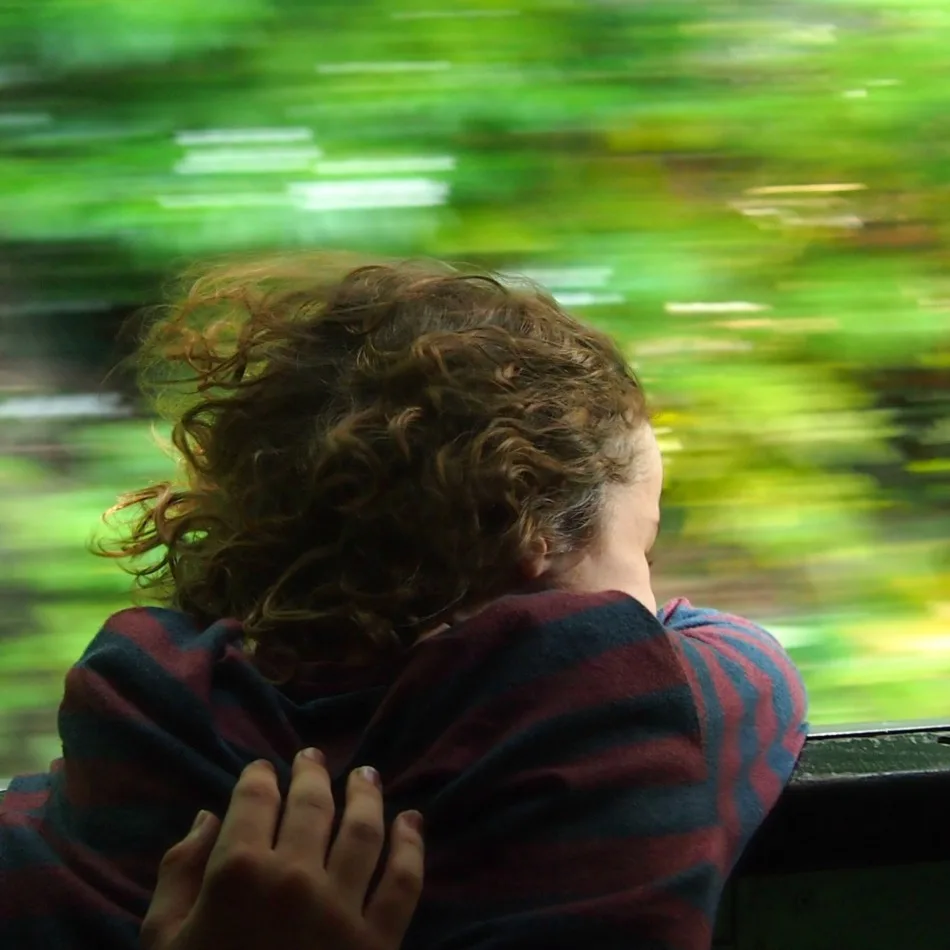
pixel 570 277
pixel 63 407
pixel 369 193
pixel 277 136
pixel 582 299
pixel 250 161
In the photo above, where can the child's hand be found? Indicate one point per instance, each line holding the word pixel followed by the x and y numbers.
pixel 245 883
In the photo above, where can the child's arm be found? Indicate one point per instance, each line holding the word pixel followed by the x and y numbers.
pixel 752 707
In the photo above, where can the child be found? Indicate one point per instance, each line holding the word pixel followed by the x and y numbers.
pixel 413 528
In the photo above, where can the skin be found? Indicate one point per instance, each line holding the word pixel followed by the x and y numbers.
pixel 258 879
pixel 619 559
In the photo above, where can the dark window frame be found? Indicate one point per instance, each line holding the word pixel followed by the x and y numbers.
pixel 864 795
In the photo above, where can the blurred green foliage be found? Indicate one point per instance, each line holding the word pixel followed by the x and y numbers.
pixel 753 197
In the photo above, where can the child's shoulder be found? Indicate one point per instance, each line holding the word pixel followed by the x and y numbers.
pixel 157 632
pixel 590 645
pixel 559 621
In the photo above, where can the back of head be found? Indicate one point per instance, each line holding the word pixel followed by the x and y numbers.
pixel 368 450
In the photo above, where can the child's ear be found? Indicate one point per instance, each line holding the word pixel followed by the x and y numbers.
pixel 548 570
pixel 537 562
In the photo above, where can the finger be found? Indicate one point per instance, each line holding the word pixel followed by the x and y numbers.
pixel 308 814
pixel 180 876
pixel 251 819
pixel 359 842
pixel 391 907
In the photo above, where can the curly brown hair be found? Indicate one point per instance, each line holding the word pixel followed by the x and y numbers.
pixel 368 449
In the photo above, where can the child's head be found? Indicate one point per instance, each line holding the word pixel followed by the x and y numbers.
pixel 368 453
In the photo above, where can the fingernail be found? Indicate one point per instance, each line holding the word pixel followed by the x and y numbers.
pixel 414 820
pixel 263 764
pixel 314 755
pixel 200 819
pixel 369 774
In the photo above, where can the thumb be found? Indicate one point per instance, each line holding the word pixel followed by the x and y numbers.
pixel 180 876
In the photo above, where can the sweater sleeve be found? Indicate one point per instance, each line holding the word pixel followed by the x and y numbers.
pixel 751 703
